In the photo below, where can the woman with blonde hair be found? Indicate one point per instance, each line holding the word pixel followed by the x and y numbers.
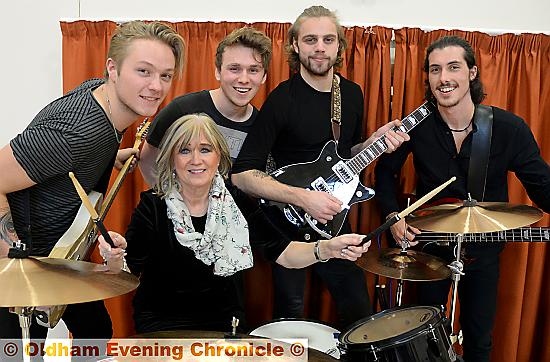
pixel 189 241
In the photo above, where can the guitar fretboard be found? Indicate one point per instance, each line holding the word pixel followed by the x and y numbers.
pixel 378 147
pixel 526 234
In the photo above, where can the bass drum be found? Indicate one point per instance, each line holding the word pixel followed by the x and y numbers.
pixel 400 334
pixel 320 337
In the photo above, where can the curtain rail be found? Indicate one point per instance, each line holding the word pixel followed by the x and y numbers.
pixel 365 25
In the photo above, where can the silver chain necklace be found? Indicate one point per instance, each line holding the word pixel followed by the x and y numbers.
pixel 111 116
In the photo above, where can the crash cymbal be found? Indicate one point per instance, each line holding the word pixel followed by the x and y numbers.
pixel 31 282
pixel 408 265
pixel 474 217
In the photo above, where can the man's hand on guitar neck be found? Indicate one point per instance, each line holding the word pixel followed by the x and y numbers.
pixel 393 139
pixel 403 233
pixel 124 154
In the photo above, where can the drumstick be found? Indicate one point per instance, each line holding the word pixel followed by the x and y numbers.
pixel 425 198
pixel 392 220
pixel 95 217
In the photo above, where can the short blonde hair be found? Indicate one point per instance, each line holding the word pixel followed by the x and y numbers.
pixel 181 132
pixel 126 33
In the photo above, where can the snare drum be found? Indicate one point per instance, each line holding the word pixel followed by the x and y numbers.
pixel 400 334
pixel 320 336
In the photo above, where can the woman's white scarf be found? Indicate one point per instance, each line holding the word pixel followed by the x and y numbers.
pixel 225 239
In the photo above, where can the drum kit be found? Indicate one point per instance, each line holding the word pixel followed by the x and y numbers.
pixel 400 333
pixel 418 333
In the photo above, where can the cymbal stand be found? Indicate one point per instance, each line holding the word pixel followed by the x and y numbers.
pixel 25 320
pixel 456 271
pixel 404 245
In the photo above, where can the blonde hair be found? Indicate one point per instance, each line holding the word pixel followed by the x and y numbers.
pixel 126 33
pixel 180 133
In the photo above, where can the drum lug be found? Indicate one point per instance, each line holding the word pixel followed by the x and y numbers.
pixel 432 331
pixel 373 350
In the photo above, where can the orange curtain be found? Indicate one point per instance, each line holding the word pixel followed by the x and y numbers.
pixel 367 62
pixel 515 72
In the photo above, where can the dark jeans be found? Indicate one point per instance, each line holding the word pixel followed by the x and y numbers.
pixel 477 293
pixel 345 281
pixel 84 321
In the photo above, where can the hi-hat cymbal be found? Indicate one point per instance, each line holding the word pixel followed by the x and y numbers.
pixel 32 282
pixel 474 217
pixel 408 265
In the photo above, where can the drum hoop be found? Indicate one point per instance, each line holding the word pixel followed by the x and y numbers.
pixel 279 320
pixel 391 341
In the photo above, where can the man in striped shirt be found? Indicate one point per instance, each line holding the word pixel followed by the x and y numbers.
pixel 80 132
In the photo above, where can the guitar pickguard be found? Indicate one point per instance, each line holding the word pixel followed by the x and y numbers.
pixel 319 175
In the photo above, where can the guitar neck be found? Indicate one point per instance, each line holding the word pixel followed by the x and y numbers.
pixel 378 147
pixel 525 234
pixel 117 183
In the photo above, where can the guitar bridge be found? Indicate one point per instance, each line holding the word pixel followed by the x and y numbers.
pixel 343 172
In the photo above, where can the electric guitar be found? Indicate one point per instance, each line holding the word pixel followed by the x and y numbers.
pixel 337 176
pixel 80 239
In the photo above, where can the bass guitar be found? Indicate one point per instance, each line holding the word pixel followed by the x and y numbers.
pixel 79 240
pixel 337 176
pixel 524 234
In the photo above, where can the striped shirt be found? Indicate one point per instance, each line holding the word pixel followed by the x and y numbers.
pixel 74 134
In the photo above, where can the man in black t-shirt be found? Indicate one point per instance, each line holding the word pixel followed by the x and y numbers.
pixel 294 124
pixel 242 61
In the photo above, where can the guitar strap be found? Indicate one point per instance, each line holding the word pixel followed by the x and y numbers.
pixel 481 146
pixel 335 107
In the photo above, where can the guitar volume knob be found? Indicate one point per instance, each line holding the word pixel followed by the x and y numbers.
pixel 328 159
pixel 307 237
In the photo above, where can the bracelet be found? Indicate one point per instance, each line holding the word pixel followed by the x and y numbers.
pixel 124 264
pixel 317 254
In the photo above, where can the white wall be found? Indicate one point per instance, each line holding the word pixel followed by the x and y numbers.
pixel 31 37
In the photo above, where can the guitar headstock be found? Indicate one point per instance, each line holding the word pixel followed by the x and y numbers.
pixel 141 133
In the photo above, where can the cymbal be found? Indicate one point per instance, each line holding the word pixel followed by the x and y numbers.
pixel 474 217
pixel 32 282
pixel 409 265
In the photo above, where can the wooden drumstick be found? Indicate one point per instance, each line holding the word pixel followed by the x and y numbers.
pixel 95 217
pixel 425 198
pixel 392 220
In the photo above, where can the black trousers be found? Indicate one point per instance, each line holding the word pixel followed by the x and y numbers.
pixel 84 320
pixel 345 281
pixel 477 293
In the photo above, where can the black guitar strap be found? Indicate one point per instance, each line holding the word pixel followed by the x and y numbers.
pixel 335 108
pixel 481 146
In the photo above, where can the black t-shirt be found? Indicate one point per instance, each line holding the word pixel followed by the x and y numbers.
pixel 294 125
pixel 200 102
